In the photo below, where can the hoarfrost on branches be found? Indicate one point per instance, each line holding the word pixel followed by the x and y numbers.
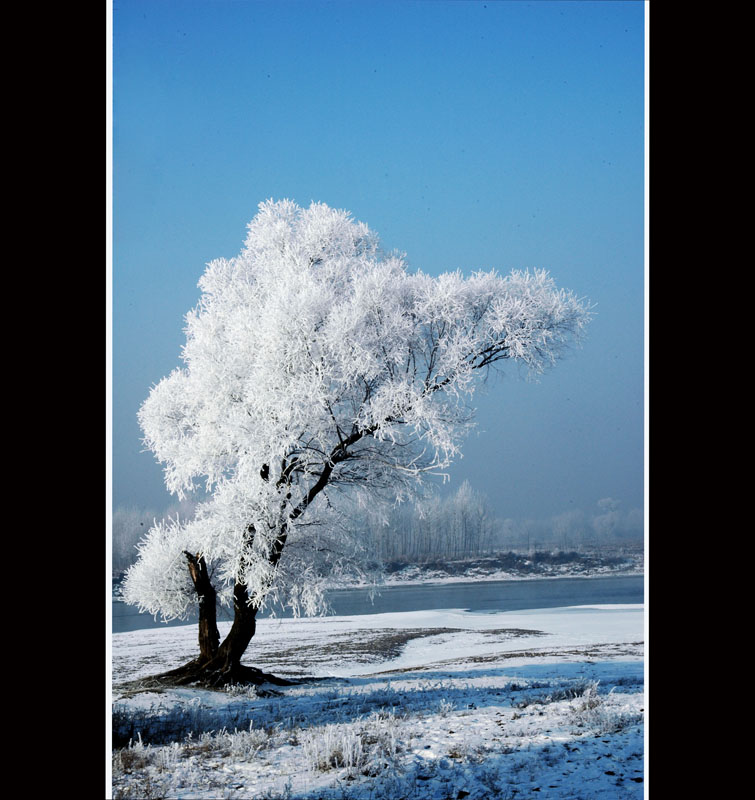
pixel 317 364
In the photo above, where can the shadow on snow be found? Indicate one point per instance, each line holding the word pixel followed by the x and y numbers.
pixel 163 717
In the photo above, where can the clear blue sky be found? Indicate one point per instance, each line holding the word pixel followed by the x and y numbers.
pixel 467 134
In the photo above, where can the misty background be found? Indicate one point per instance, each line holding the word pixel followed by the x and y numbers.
pixel 469 135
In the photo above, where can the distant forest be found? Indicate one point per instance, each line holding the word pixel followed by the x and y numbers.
pixel 459 525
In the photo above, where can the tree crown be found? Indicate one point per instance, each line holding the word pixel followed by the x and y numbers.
pixel 316 361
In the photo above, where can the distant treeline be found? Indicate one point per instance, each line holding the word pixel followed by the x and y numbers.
pixel 463 525
pixel 458 525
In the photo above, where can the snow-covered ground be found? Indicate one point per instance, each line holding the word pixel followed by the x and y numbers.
pixel 426 704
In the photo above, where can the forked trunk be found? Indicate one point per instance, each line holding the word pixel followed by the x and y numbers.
pixel 219 664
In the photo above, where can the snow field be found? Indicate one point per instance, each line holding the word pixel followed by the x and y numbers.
pixel 464 714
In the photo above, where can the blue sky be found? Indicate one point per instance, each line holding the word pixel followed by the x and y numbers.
pixel 493 135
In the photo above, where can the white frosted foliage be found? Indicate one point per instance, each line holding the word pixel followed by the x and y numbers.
pixel 315 364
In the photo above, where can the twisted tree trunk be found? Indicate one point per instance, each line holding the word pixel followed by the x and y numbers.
pixel 220 664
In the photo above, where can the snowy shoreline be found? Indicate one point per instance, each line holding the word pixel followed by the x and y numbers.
pixel 429 580
pixel 421 704
pixel 421 575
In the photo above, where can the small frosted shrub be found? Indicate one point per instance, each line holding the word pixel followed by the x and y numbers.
pixel 243 745
pixel 600 716
pixel 583 689
pixel 133 758
pixel 367 747
pixel 333 747
pixel 445 707
pixel 248 692
pixel 604 720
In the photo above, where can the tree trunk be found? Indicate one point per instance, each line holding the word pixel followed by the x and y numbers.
pixel 221 666
pixel 209 637
pixel 227 661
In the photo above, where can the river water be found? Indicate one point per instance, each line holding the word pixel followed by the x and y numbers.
pixel 478 596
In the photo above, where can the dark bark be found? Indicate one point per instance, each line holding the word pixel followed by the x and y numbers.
pixel 219 665
pixel 224 667
pixel 209 637
pixel 242 631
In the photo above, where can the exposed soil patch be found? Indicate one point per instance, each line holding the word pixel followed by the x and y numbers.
pixel 588 653
pixel 376 645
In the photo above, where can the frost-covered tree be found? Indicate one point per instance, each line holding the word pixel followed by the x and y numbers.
pixel 569 528
pixel 129 525
pixel 460 525
pixel 316 365
pixel 606 521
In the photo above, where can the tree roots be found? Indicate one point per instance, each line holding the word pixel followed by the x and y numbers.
pixel 207 676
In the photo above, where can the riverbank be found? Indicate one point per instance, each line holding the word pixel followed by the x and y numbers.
pixel 505 566
pixel 421 704
pixel 511 566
